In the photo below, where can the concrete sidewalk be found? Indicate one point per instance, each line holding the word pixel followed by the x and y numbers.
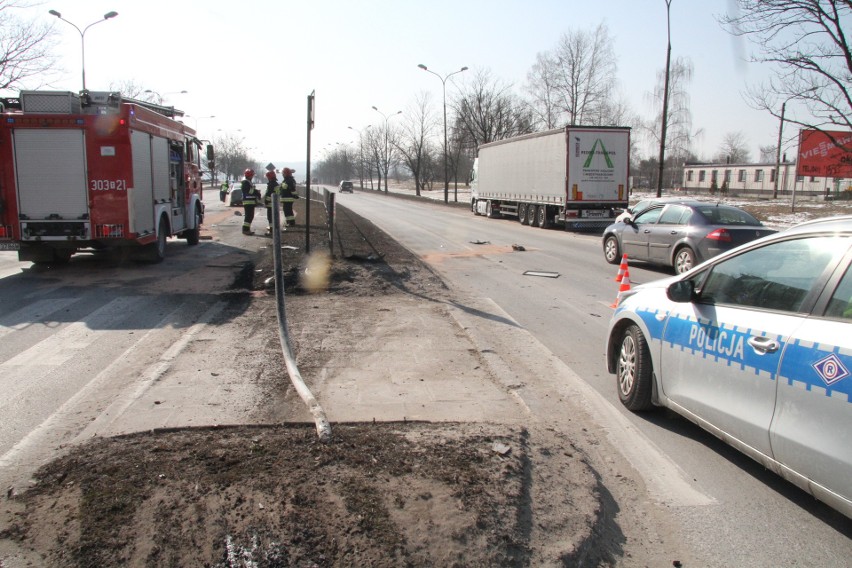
pixel 410 360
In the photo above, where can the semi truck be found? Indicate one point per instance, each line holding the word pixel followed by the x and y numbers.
pixel 574 176
pixel 93 171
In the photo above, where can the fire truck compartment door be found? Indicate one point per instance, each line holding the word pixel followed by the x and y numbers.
pixel 50 167
pixel 142 201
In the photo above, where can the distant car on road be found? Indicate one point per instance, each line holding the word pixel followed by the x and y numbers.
pixel 754 346
pixel 681 234
pixel 346 186
pixel 235 198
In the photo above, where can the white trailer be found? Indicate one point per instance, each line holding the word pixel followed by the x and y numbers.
pixel 574 176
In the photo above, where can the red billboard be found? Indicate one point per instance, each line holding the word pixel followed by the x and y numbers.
pixel 820 156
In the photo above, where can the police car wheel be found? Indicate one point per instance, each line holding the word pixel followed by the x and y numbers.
pixel 634 371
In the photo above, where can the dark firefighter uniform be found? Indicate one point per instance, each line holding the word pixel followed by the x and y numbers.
pixel 272 188
pixel 288 196
pixel 251 197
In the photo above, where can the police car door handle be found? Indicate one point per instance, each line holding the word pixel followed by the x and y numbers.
pixel 764 345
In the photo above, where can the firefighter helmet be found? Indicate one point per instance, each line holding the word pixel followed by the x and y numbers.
pixel 270 175
pixel 287 171
pixel 249 173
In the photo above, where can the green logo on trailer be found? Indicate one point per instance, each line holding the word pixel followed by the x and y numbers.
pixel 593 152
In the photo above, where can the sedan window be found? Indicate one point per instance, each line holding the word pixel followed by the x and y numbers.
pixel 649 216
pixel 777 276
pixel 727 215
pixel 674 215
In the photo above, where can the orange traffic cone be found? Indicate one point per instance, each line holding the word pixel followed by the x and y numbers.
pixel 625 286
pixel 622 270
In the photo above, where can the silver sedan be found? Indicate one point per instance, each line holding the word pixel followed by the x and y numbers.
pixel 681 234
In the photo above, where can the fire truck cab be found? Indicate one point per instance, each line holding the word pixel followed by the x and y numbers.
pixel 95 171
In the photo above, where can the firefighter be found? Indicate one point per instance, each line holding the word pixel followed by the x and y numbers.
pixel 223 191
pixel 251 197
pixel 288 196
pixel 272 188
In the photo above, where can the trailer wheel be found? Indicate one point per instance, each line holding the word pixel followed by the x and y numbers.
pixel 523 213
pixel 532 213
pixel 542 217
pixel 194 235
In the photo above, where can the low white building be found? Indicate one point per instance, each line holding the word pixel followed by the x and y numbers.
pixel 759 180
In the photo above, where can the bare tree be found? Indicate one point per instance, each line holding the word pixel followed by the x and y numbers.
pixel 806 41
pixel 419 125
pixel 25 47
pixel 337 165
pixel 767 153
pixel 585 75
pixel 487 110
pixel 231 156
pixel 679 133
pixel 734 149
pixel 542 92
pixel 375 153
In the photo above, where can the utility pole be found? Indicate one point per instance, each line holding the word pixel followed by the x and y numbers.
pixel 665 99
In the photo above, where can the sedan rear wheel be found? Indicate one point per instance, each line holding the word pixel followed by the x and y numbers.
pixel 634 371
pixel 684 260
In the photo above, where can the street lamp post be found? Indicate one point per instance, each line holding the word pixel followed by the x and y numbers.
pixel 446 171
pixel 360 154
pixel 82 32
pixel 387 148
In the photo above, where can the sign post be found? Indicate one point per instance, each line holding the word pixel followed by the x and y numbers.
pixel 308 175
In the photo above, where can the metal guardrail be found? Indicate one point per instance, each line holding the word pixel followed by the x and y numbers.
pixel 322 425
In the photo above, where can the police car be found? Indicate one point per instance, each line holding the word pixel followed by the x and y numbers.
pixel 755 346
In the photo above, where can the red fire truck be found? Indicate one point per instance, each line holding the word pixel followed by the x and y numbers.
pixel 94 171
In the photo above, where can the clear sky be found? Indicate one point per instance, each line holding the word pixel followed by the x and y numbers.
pixel 252 63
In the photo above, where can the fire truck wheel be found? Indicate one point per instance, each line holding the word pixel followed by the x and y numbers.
pixel 62 256
pixel 50 257
pixel 156 251
pixel 194 235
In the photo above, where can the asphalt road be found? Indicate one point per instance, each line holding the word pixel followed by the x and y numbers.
pixel 53 331
pixel 735 510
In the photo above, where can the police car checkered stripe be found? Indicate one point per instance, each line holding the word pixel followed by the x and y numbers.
pixel 729 345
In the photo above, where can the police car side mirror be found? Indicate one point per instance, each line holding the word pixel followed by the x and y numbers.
pixel 682 291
